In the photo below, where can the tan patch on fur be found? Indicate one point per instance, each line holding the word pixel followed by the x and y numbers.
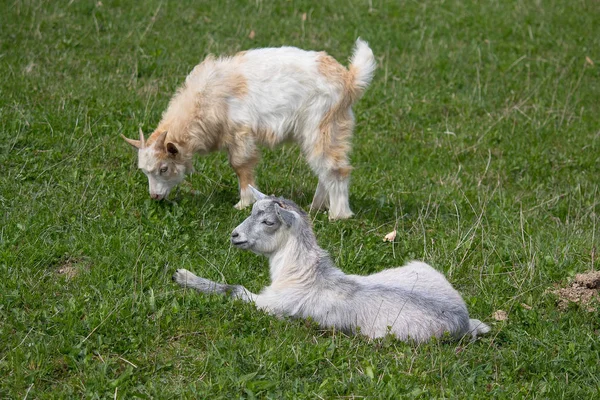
pixel 241 148
pixel 197 117
pixel 239 86
pixel 334 142
pixel 161 154
pixel 343 172
pixel 331 69
pixel 204 127
pixel 152 138
pixel 335 72
pixel 243 156
pixel 245 174
pixel 337 124
pixel 267 137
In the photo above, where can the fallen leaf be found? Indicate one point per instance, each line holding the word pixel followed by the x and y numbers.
pixel 526 306
pixel 252 34
pixel 390 236
pixel 29 68
pixel 500 315
pixel 589 60
pixel 303 16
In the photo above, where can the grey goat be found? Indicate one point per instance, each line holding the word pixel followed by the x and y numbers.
pixel 414 302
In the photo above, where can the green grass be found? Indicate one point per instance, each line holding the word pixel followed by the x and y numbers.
pixel 479 138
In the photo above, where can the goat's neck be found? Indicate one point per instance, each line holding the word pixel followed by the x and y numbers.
pixel 195 136
pixel 294 260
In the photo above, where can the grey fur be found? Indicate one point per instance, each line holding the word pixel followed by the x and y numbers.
pixel 414 302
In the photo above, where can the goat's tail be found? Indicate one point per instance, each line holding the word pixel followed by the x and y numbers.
pixel 362 67
pixel 476 327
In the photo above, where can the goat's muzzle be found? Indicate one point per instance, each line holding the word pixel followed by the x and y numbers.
pixel 236 240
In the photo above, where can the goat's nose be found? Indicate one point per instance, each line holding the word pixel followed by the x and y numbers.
pixel 234 234
pixel 155 196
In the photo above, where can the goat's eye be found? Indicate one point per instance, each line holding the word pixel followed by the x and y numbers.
pixel 268 223
pixel 164 169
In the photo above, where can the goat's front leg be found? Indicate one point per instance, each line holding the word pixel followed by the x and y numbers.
pixel 245 175
pixel 186 279
pixel 243 156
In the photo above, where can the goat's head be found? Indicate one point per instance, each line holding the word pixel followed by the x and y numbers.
pixel 162 162
pixel 272 222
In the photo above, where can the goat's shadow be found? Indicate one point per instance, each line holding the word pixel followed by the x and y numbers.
pixel 367 207
pixel 220 197
pixel 378 210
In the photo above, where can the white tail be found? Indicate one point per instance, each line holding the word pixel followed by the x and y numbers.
pixel 362 64
pixel 476 327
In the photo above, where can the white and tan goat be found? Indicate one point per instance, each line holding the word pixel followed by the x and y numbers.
pixel 414 302
pixel 262 97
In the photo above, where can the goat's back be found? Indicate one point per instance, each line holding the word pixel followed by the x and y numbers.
pixel 412 302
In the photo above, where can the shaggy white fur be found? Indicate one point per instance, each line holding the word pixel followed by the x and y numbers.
pixel 262 97
pixel 414 302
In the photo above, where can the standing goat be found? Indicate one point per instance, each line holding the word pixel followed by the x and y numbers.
pixel 414 302
pixel 262 96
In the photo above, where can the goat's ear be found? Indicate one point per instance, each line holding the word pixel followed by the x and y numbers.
pixel 160 141
pixel 257 194
pixel 285 216
pixel 172 149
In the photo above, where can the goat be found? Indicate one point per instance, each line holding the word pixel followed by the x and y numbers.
pixel 414 302
pixel 262 96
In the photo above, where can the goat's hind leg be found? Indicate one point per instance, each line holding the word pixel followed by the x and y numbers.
pixel 332 189
pixel 339 204
pixel 186 279
pixel 328 157
pixel 321 199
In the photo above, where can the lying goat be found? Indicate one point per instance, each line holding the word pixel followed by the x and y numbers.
pixel 263 96
pixel 414 302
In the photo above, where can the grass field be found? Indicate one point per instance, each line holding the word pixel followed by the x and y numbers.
pixel 479 139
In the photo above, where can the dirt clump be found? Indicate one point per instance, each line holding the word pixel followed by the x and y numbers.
pixel 584 290
pixel 589 279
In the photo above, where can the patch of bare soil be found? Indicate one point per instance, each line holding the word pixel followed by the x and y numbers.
pixel 71 267
pixel 584 290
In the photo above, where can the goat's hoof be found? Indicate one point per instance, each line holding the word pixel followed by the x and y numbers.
pixel 242 204
pixel 341 215
pixel 181 276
